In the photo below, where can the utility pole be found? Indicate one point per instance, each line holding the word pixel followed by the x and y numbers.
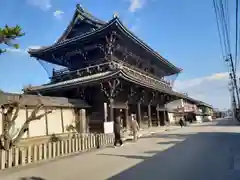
pixel 233 79
pixel 233 100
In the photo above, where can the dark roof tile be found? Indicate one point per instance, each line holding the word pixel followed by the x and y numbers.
pixel 33 100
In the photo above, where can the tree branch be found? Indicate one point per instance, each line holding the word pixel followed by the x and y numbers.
pixel 42 115
pixel 34 112
pixel 15 114
pixel 25 127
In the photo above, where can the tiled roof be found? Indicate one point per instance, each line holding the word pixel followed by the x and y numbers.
pixel 71 82
pixel 33 100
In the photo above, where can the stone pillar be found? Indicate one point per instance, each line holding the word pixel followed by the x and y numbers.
pixel 149 116
pixel 111 110
pixel 126 118
pixel 83 121
pixel 139 114
pixel 158 117
pixel 105 111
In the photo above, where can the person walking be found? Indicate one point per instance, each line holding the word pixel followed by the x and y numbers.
pixel 134 127
pixel 181 122
pixel 117 132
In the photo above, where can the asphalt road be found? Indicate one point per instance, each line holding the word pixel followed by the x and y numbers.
pixel 210 151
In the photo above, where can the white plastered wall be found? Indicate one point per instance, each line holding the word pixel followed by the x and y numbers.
pixel 19 122
pixel 54 122
pixel 171 118
pixel 68 118
pixel 37 127
pixel 1 122
pixel 199 118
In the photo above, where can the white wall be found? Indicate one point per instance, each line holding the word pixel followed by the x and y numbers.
pixel 173 105
pixel 1 123
pixel 189 107
pixel 54 122
pixel 207 118
pixel 199 119
pixel 37 127
pixel 68 118
pixel 171 118
pixel 19 122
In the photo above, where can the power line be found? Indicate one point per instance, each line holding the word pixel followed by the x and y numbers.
pixel 218 27
pixel 236 36
pixel 223 27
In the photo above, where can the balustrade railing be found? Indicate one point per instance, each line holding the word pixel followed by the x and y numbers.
pixel 20 156
pixel 65 74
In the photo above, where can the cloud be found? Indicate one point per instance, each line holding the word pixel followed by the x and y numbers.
pixel 13 50
pixel 34 47
pixel 136 4
pixel 42 4
pixel 134 28
pixel 22 51
pixel 58 14
pixel 211 89
pixel 197 81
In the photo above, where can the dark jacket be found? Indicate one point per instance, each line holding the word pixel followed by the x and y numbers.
pixel 117 127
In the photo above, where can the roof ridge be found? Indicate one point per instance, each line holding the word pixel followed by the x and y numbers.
pixel 85 12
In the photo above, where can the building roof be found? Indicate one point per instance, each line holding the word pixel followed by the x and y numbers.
pixel 204 104
pixel 33 100
pixel 115 23
pixel 79 15
pixel 124 74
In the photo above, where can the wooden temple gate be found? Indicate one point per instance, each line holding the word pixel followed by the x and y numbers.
pixel 111 69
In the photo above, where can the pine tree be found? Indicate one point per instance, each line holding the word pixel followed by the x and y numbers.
pixel 8 35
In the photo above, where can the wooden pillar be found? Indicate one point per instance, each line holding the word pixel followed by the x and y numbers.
pixel 46 121
pixel 149 116
pixel 164 117
pixel 62 121
pixel 111 110
pixel 158 117
pixel 139 114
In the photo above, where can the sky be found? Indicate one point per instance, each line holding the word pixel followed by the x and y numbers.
pixel 184 32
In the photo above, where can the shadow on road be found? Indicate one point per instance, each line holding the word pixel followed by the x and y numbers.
pixel 223 122
pixel 200 156
pixel 31 178
pixel 168 136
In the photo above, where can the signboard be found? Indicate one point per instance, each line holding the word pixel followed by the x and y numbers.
pixel 108 127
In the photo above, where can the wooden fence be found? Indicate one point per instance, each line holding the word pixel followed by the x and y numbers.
pixel 20 156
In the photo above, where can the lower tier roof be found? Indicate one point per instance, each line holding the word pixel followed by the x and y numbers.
pixel 103 76
pixel 33 100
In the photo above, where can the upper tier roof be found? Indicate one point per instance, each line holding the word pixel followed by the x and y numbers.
pixel 80 15
pixel 100 28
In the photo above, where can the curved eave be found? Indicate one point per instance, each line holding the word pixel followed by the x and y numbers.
pixel 102 77
pixel 111 23
pixel 70 26
pixel 145 46
pixel 71 40
pixel 76 81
